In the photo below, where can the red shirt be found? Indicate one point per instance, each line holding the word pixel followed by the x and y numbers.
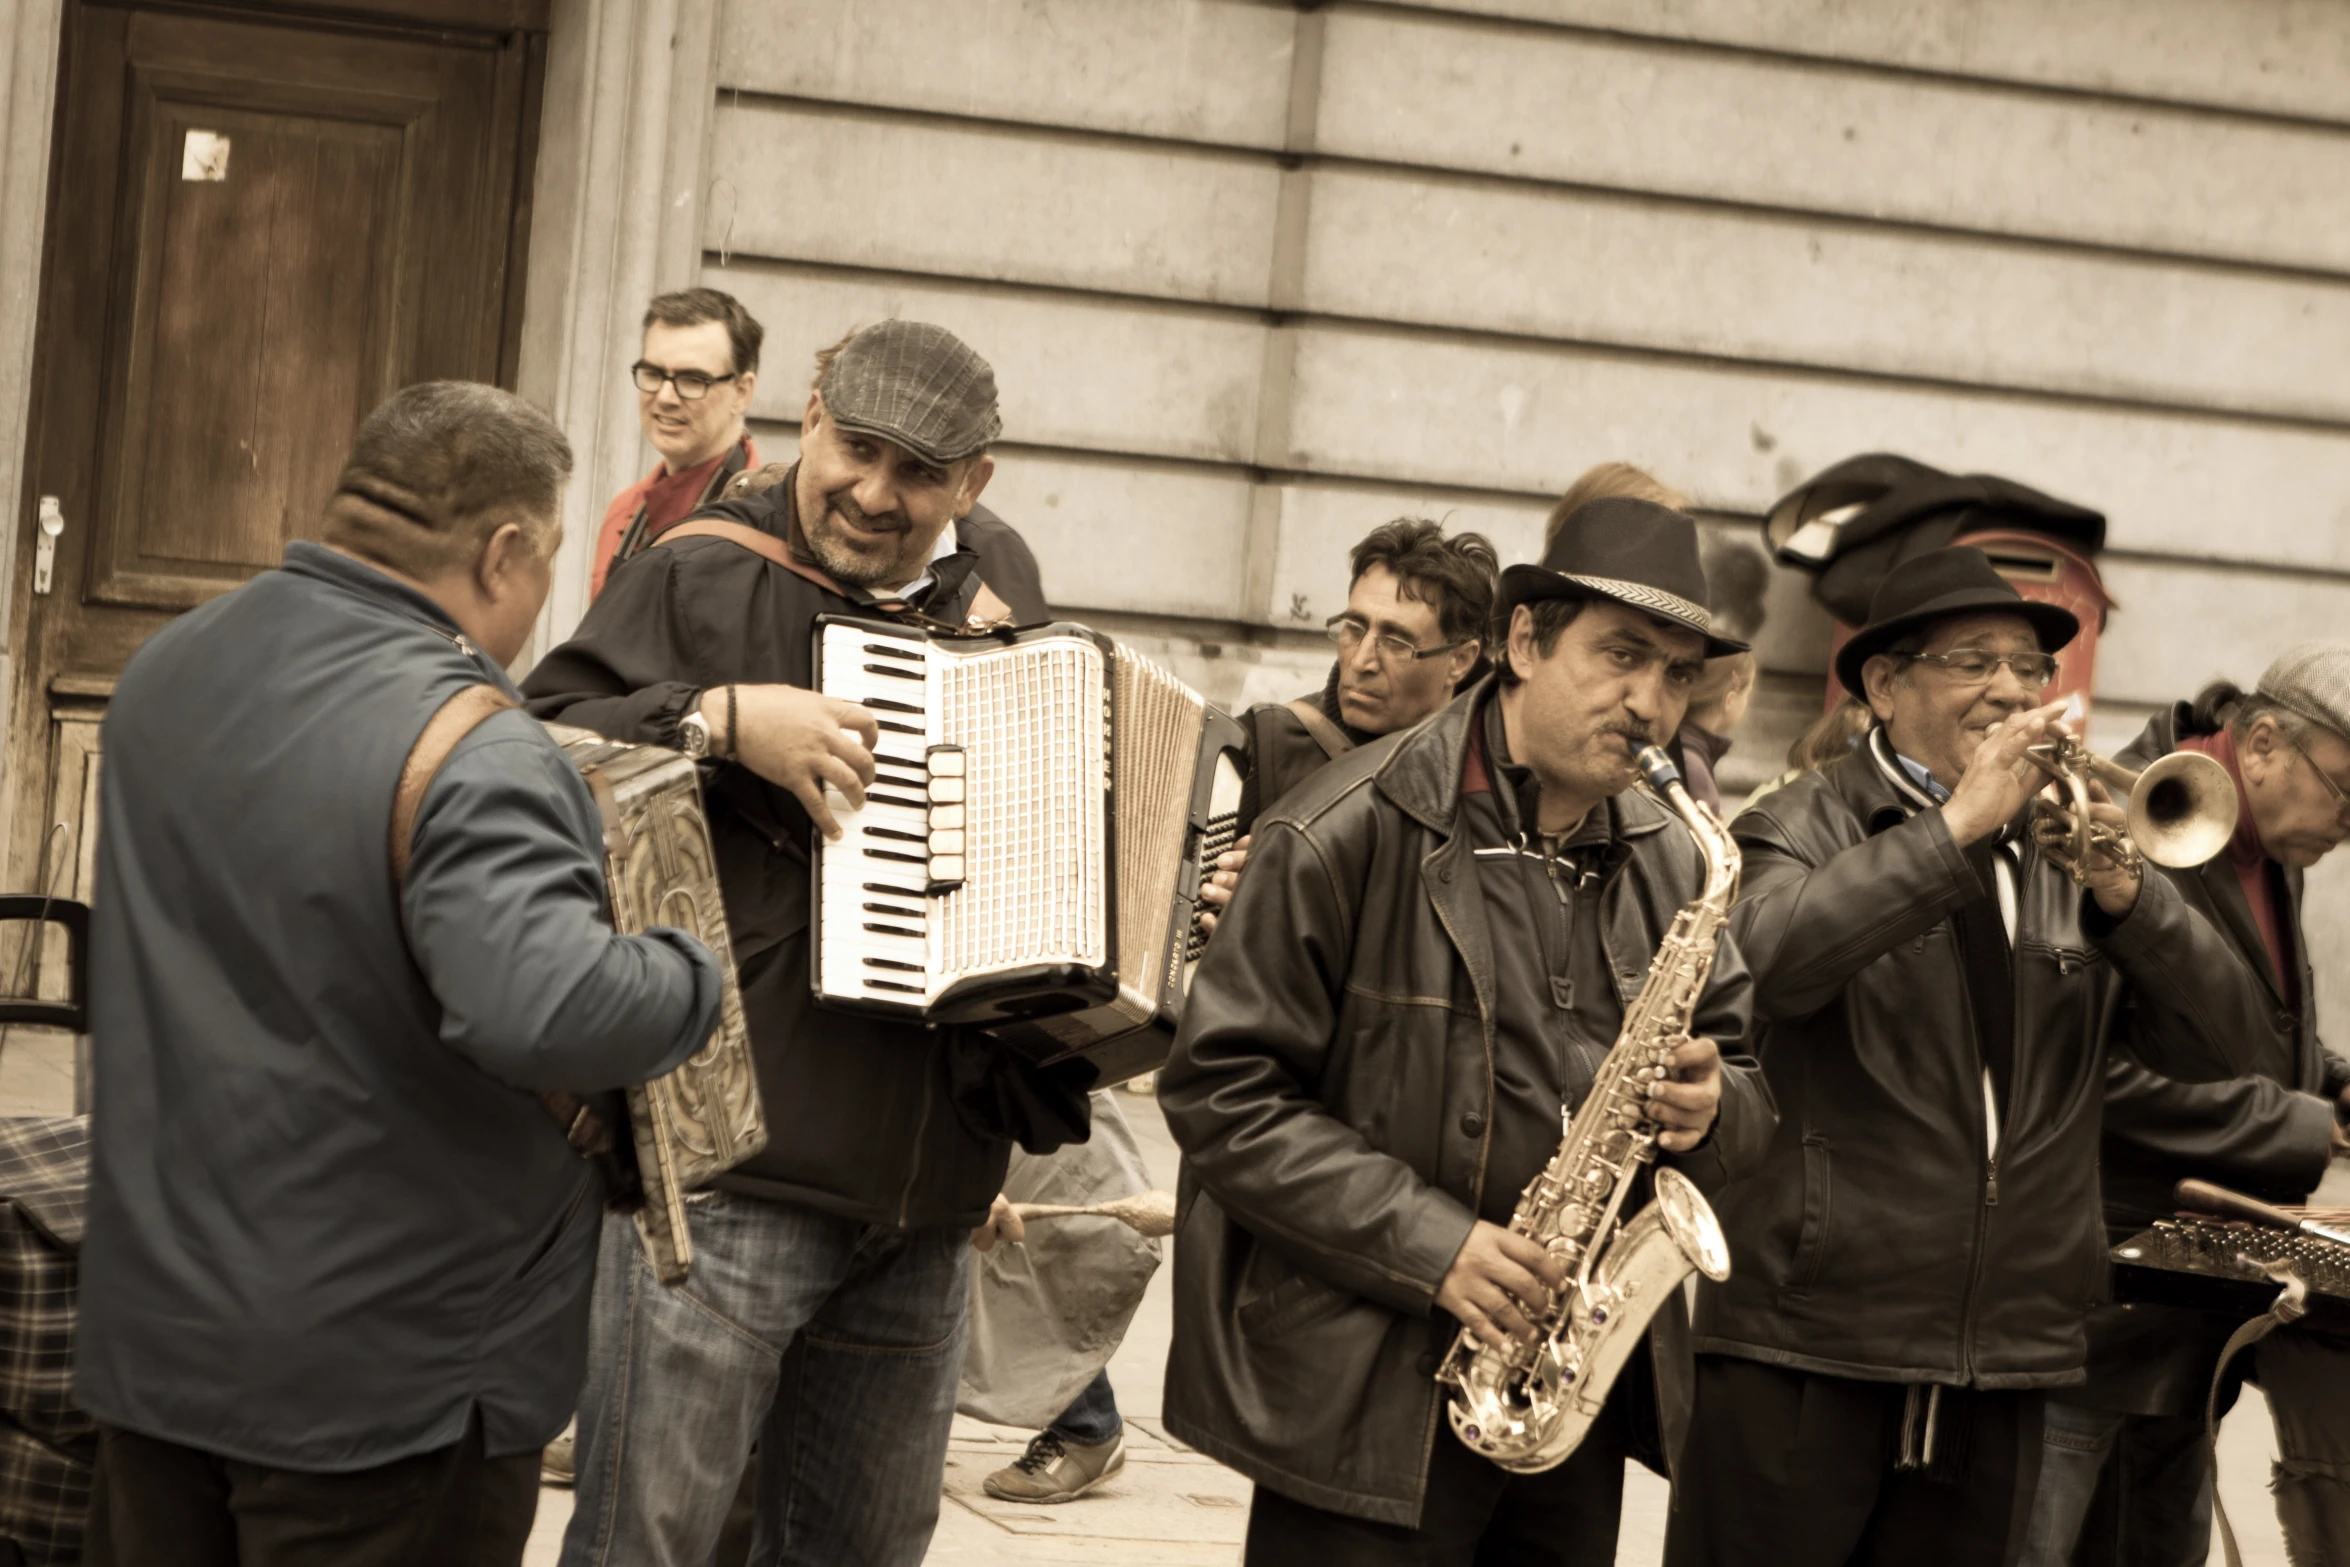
pixel 661 515
pixel 2264 888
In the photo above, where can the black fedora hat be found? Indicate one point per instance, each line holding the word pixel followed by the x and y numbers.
pixel 1634 552
pixel 1956 580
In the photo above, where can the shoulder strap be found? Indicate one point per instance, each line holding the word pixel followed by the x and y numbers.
pixel 986 613
pixel 1327 735
pixel 458 717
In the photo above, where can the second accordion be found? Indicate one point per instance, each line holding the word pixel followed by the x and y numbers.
pixel 1044 806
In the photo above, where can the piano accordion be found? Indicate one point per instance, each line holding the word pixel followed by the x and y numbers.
pixel 1029 857
pixel 704 1118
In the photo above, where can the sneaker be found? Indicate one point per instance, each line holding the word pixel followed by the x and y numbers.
pixel 1055 1469
pixel 555 1464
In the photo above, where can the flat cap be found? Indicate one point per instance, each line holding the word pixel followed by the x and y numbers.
pixel 916 384
pixel 2312 680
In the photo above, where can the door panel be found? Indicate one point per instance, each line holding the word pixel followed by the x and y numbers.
pixel 260 227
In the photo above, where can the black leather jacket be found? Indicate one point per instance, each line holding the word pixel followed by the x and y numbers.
pixel 1333 1091
pixel 1882 1239
pixel 2269 1133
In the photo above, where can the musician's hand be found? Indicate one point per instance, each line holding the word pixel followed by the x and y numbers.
pixel 1497 1278
pixel 1216 892
pixel 2341 1142
pixel 800 741
pixel 1687 1102
pixel 1999 778
pixel 2114 886
pixel 1002 1225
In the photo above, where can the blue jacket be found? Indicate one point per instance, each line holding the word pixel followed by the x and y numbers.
pixel 328 1218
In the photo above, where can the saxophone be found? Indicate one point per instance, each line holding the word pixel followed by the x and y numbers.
pixel 1526 1407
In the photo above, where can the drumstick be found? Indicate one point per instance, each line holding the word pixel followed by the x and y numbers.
pixel 2204 1197
pixel 1150 1213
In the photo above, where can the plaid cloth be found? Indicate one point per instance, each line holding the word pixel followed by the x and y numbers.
pixel 47 1445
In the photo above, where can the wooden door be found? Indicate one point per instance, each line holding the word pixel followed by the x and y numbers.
pixel 260 225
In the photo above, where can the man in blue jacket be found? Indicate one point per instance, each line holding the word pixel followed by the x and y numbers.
pixel 335 1284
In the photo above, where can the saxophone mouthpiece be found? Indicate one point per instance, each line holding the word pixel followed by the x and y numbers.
pixel 1656 767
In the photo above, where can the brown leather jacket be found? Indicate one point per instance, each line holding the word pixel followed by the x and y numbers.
pixel 1333 1091
pixel 1882 1240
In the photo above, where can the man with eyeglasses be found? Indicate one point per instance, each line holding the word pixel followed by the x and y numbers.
pixel 694 380
pixel 2126 1476
pixel 1935 1001
pixel 1411 636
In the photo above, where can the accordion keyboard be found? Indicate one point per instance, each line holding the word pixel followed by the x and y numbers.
pixel 880 869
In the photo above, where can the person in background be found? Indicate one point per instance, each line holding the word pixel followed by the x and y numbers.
pixel 1832 736
pixel 2132 1436
pixel 694 378
pixel 1412 636
pixel 335 1285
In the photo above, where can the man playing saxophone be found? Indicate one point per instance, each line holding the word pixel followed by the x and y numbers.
pixel 1934 1001
pixel 1432 954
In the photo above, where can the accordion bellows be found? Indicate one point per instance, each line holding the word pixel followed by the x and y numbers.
pixel 704 1118
pixel 1029 855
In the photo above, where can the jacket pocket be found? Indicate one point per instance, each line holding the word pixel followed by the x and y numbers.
pixel 1811 1241
pixel 1298 1301
pixel 2068 960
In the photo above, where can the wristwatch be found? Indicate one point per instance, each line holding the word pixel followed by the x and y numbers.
pixel 693 736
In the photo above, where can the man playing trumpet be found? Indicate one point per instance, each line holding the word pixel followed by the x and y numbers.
pixel 1934 1002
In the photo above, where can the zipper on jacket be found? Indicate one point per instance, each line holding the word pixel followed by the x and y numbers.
pixel 914 1171
pixel 1974 1283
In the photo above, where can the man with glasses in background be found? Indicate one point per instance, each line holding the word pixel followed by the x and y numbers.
pixel 2125 1471
pixel 1411 636
pixel 694 379
pixel 1935 1001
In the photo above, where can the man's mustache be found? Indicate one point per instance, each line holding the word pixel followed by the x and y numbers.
pixel 872 522
pixel 1634 736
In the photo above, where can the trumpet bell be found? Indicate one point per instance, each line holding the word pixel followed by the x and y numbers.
pixel 2183 810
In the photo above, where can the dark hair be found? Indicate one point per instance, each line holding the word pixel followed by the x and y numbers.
pixel 438 468
pixel 1455 575
pixel 2225 705
pixel 1551 618
pixel 693 306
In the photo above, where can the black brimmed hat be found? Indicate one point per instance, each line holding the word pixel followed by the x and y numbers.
pixel 1957 580
pixel 1634 552
pixel 916 384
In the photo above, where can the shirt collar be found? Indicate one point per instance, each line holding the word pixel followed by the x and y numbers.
pixel 305 559
pixel 1912 778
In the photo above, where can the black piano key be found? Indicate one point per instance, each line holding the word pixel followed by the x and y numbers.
pixel 894 892
pixel 892 726
pixel 888 706
pixel 902 859
pixel 893 833
pixel 891 908
pixel 893 963
pixel 879 929
pixel 910 802
pixel 894 674
pixel 906 650
pixel 891 984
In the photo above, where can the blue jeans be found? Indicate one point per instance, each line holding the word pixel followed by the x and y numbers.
pixel 2157 1510
pixel 835 1346
pixel 1092 1416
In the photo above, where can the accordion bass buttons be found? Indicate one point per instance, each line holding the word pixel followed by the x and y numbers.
pixel 946 767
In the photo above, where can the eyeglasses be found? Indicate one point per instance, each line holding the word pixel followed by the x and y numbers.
pixel 1971 666
pixel 1348 633
pixel 691 385
pixel 2341 799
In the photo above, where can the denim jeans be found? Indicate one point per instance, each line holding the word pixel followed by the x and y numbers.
pixel 1092 1416
pixel 2150 1481
pixel 835 1346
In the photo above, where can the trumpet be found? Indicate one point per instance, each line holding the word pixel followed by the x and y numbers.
pixel 2181 810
